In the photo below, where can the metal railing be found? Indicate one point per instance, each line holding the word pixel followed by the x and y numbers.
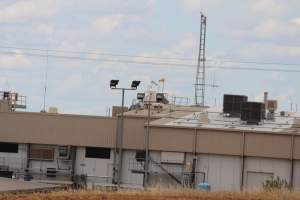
pixel 15 100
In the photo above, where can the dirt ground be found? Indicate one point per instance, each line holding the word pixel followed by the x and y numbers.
pixel 154 195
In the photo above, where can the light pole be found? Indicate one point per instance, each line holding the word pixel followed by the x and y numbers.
pixel 120 129
pixel 146 170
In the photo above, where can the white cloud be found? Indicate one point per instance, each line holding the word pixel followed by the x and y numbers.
pixel 14 62
pixel 277 76
pixel 268 29
pixel 287 97
pixel 25 10
pixel 181 47
pixel 270 7
pixel 199 5
pixel 4 83
pixel 296 21
pixel 276 28
pixel 44 29
pixel 137 33
pixel 108 23
pixel 259 50
pixel 72 83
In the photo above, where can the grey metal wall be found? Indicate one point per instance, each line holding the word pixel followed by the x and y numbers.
pixel 221 172
pixel 257 170
pixel 15 161
pixel 132 171
pixel 98 171
pixel 39 167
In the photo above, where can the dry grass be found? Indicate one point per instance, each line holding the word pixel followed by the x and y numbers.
pixel 155 195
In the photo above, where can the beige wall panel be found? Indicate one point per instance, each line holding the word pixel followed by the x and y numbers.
pixel 57 129
pixel 268 145
pixel 296 147
pixel 216 142
pixel 171 139
pixel 134 133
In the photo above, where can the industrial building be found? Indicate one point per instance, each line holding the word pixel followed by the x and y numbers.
pixel 160 144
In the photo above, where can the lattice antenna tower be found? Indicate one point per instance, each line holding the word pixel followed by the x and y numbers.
pixel 200 73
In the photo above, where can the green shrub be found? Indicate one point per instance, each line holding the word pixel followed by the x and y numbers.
pixel 276 184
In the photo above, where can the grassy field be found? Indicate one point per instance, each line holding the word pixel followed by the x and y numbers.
pixel 154 195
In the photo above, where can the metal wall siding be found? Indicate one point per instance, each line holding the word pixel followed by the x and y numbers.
pixel 134 133
pixel 216 142
pixel 263 145
pixel 297 147
pixel 57 129
pixel 171 139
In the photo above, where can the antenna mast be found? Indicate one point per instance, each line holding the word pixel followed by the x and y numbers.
pixel 200 74
pixel 46 83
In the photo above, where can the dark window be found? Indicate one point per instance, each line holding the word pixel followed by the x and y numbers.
pixel 63 151
pixel 140 156
pixel 9 147
pixel 97 152
pixel 41 153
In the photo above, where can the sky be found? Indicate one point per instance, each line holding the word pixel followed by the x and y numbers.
pixel 244 33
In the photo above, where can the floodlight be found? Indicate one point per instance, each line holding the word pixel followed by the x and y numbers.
pixel 160 97
pixel 135 84
pixel 114 83
pixel 141 96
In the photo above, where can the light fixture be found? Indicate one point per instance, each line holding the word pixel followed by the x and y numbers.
pixel 114 83
pixel 141 96
pixel 135 84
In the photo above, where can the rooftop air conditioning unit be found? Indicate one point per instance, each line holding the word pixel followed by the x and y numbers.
pixel 252 112
pixel 232 104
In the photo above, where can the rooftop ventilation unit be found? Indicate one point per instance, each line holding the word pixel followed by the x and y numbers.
pixel 296 123
pixel 252 112
pixel 272 105
pixel 271 108
pixel 161 98
pixel 232 104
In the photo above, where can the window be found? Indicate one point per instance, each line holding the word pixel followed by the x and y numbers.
pixel 140 156
pixel 9 147
pixel 97 152
pixel 63 152
pixel 41 153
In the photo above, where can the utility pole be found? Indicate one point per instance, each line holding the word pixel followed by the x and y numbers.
pixel 200 73
pixel 146 167
pixel 117 168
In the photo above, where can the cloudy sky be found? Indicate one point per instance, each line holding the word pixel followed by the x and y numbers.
pixel 254 34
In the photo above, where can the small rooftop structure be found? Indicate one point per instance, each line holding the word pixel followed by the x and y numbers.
pixel 12 100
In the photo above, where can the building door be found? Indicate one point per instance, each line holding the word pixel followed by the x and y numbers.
pixel 255 180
